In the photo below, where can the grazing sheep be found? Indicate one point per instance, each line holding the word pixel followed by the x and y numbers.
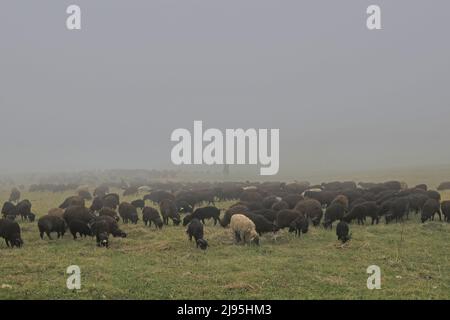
pixel 286 217
pixel 195 229
pixel 262 225
pixel 169 210
pixel 445 208
pixel 280 206
pixel 202 214
pixel 24 208
pixel 311 209
pixel 9 209
pixel 342 231
pixel 399 208
pixel 244 229
pixel 81 227
pixel 299 225
pixel 113 226
pixel 430 208
pixel 128 213
pixel 78 213
pixel 48 224
pixel 150 215
pixel 100 229
pixel 416 202
pixel 10 231
pixel 363 210
pixel 202 244
pixel 334 212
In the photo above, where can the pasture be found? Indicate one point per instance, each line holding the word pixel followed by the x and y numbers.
pixel 162 264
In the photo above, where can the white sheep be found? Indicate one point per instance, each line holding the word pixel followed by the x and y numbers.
pixel 244 229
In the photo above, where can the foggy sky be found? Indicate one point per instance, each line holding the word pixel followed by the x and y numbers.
pixel 109 95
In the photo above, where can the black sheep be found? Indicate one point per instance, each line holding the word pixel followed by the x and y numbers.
pixel 299 225
pixel 430 208
pixel 195 229
pixel 399 208
pixel 150 215
pixel 286 217
pixel 81 227
pixel 113 226
pixel 24 208
pixel 334 212
pixel 445 208
pixel 48 224
pixel 9 209
pixel 10 231
pixel 169 210
pixel 202 214
pixel 416 202
pixel 78 213
pixel 342 231
pixel 100 229
pixel 363 210
pixel 128 213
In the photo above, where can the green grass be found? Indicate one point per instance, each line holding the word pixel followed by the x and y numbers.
pixel 162 264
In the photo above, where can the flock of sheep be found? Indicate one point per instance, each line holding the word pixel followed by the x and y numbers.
pixel 259 208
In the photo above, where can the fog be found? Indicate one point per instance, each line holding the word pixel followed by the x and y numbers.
pixel 109 95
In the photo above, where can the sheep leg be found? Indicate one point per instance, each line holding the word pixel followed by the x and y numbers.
pixel 237 236
pixel 48 235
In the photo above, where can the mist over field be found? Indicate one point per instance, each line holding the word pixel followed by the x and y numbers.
pixel 109 96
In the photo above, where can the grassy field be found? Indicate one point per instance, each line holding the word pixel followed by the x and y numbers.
pixel 162 264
